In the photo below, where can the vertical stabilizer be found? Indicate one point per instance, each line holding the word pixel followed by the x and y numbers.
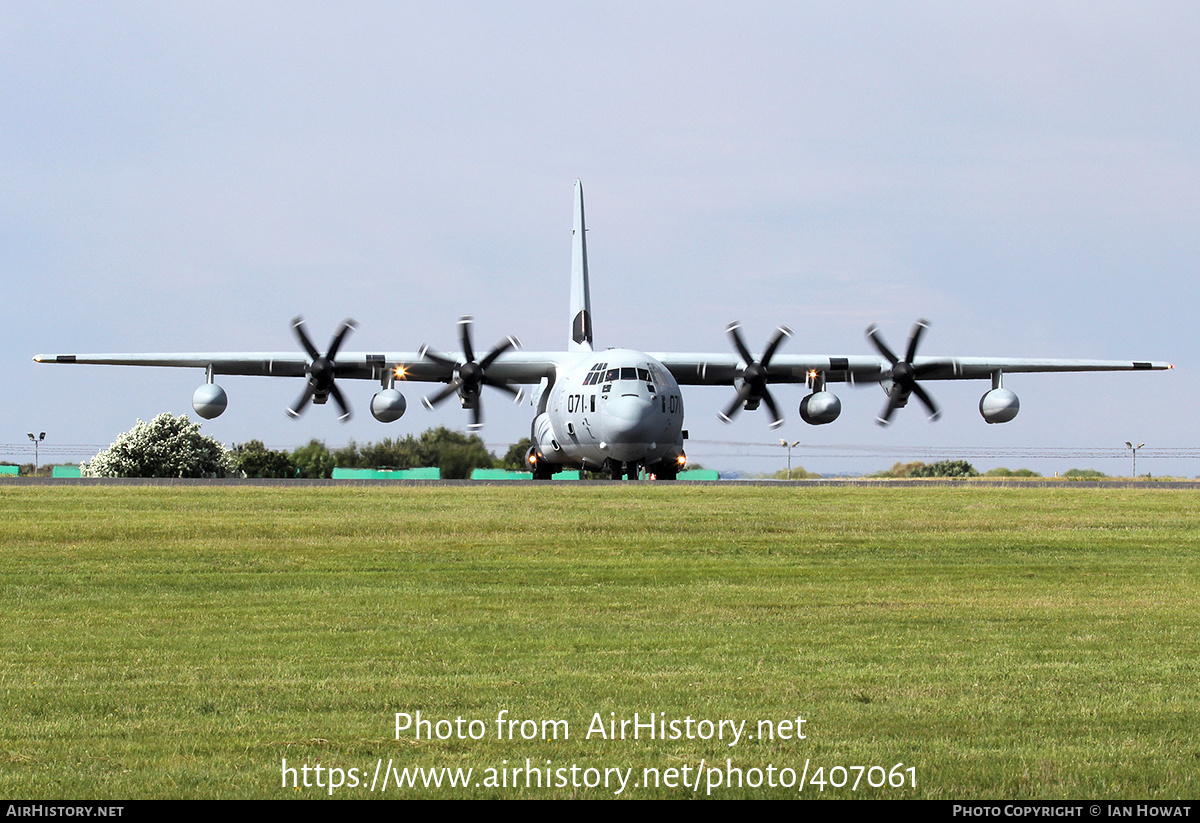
pixel 581 293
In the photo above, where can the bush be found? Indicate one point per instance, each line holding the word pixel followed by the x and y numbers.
pixel 946 468
pixel 253 459
pixel 1003 472
pixel 1085 474
pixel 313 460
pixel 167 446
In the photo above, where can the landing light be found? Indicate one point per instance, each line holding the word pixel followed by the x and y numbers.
pixel 681 460
pixel 401 373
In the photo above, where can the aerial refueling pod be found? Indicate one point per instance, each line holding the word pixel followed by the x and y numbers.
pixel 388 406
pixel 209 401
pixel 820 408
pixel 999 406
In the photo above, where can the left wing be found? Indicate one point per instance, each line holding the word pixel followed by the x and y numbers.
pixel 750 375
pixel 699 369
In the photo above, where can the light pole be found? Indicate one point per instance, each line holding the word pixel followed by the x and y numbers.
pixel 36 442
pixel 1134 449
pixel 789 447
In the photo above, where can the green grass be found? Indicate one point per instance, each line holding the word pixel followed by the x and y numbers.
pixel 1007 643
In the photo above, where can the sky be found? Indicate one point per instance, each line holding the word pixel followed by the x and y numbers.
pixel 189 176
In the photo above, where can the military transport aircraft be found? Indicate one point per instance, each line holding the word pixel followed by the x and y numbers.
pixel 614 410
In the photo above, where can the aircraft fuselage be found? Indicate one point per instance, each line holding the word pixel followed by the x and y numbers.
pixel 616 406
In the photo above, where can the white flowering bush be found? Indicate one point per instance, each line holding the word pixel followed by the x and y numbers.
pixel 167 446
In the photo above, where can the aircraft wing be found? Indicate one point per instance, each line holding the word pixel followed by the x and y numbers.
pixel 699 369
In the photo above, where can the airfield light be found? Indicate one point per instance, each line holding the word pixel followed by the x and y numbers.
pixel 36 442
pixel 789 447
pixel 1134 449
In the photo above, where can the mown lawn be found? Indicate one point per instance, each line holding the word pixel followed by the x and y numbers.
pixel 998 642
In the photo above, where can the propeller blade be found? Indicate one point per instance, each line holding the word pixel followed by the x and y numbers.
pixel 736 337
pixel 300 405
pixel 903 375
pixel 934 412
pixel 470 375
pixel 437 357
pixel 895 400
pixel 341 402
pixel 914 338
pixel 755 374
pixel 434 400
pixel 776 417
pixel 497 384
pixel 501 348
pixel 322 369
pixel 346 327
pixel 464 334
pixel 877 339
pixel 738 401
pixel 780 334
pixel 302 335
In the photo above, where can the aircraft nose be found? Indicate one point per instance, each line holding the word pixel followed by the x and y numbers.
pixel 629 422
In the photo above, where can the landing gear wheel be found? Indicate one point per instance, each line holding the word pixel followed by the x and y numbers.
pixel 666 470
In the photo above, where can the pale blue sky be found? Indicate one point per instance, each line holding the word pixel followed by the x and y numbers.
pixel 181 177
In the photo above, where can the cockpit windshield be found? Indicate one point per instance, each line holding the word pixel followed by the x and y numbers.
pixel 600 373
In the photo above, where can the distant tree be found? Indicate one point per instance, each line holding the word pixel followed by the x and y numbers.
pixel 514 458
pixel 1087 474
pixel 455 453
pixel 798 473
pixel 1003 472
pixel 347 457
pixel 167 446
pixel 313 460
pixel 945 468
pixel 253 459
pixel 900 470
pixel 390 454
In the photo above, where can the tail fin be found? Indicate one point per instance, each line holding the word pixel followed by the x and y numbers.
pixel 581 293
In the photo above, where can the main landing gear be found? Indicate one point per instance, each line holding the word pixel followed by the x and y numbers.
pixel 633 470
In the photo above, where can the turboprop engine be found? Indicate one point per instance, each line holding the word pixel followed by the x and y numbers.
pixel 820 408
pixel 999 406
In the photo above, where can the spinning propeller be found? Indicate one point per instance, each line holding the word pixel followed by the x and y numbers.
pixel 322 370
pixel 754 376
pixel 470 375
pixel 903 374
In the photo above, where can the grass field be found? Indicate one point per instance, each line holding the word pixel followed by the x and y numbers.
pixel 997 642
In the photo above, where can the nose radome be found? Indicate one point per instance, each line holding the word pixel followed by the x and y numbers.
pixel 629 418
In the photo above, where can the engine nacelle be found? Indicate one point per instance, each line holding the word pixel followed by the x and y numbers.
pixel 544 441
pixel 388 405
pixel 209 401
pixel 820 408
pixel 999 406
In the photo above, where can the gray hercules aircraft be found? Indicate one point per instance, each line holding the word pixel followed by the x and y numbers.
pixel 615 410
